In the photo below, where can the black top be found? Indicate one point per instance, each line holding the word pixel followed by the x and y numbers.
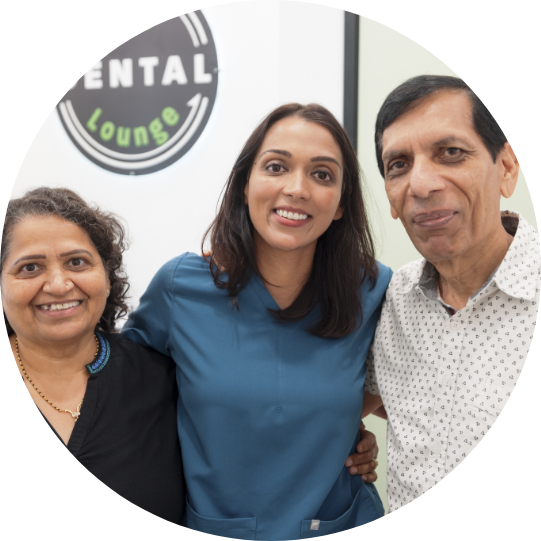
pixel 126 434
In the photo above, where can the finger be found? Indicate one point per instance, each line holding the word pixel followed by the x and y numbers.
pixel 368 442
pixel 370 477
pixel 355 459
pixel 363 469
pixel 359 458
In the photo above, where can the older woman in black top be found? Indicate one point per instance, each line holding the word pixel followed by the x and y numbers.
pixel 112 402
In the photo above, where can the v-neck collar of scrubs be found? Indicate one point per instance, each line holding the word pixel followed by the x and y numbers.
pixel 262 292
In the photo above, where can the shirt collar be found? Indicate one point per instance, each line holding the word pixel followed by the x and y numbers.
pixel 517 275
pixel 412 275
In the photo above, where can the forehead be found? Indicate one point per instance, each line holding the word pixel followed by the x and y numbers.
pixel 296 133
pixel 438 116
pixel 47 232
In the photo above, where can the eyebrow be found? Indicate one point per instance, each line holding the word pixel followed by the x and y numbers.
pixel 314 159
pixel 41 256
pixel 391 155
pixel 449 140
pixel 276 151
pixel 325 159
pixel 445 141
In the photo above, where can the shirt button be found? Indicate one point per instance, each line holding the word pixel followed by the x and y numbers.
pixel 454 324
pixel 437 449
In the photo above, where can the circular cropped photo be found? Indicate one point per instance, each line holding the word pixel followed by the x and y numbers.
pixel 264 300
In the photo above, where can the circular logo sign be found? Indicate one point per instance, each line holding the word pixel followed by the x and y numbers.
pixel 145 104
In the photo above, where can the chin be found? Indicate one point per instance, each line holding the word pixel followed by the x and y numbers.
pixel 284 243
pixel 283 247
pixel 64 332
pixel 437 250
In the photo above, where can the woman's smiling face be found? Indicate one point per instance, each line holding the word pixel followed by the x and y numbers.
pixel 295 186
pixel 54 285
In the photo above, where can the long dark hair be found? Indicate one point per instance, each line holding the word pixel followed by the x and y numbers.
pixel 104 229
pixel 344 255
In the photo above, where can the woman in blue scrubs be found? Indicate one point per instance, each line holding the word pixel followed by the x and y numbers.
pixel 270 336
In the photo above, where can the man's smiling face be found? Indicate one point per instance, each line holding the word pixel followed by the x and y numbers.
pixel 441 180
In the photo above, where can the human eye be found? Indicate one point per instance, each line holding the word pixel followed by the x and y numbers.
pixel 77 263
pixel 396 168
pixel 323 175
pixel 29 268
pixel 274 167
pixel 453 152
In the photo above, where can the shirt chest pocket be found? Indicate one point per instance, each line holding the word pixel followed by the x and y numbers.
pixel 493 396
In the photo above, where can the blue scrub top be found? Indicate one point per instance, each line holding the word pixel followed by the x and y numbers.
pixel 267 413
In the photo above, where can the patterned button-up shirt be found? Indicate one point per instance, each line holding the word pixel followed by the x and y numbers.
pixel 444 376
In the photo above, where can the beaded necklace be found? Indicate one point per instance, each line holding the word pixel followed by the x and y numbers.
pixel 74 414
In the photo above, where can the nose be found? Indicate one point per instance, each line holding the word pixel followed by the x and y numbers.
pixel 296 185
pixel 425 179
pixel 57 282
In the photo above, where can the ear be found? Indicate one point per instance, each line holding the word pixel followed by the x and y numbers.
pixel 339 212
pixel 394 214
pixel 510 170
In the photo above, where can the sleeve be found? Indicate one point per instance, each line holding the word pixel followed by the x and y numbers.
pixel 150 324
pixel 371 384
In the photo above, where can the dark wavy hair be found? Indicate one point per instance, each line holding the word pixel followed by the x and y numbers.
pixel 104 229
pixel 405 96
pixel 344 256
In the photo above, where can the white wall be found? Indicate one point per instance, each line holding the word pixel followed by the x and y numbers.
pixel 387 59
pixel 269 53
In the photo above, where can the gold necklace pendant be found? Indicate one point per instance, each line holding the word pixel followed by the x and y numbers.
pixel 77 413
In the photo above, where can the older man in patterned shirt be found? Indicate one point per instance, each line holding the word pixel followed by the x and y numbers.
pixel 456 326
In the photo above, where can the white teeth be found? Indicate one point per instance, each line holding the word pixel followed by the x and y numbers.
pixel 291 215
pixel 55 307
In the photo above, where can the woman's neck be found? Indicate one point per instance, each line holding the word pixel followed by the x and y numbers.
pixel 284 272
pixel 58 359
